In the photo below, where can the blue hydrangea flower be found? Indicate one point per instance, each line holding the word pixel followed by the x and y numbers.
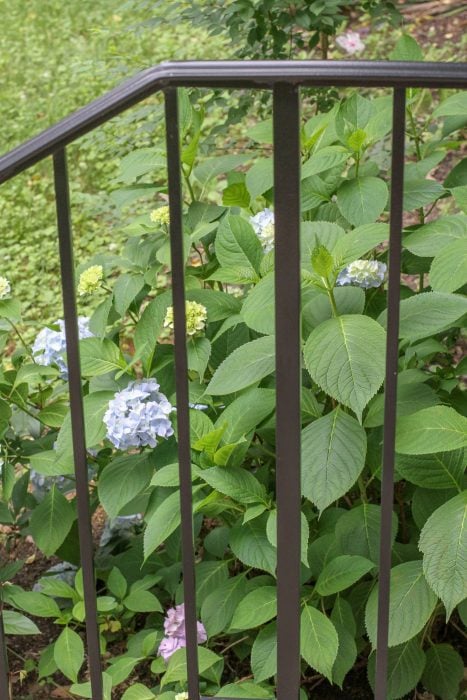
pixel 363 273
pixel 49 347
pixel 138 415
pixel 263 225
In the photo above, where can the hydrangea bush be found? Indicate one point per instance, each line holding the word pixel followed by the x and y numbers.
pixel 127 364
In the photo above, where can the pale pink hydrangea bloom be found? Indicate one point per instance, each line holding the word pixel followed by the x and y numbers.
pixel 350 42
pixel 174 627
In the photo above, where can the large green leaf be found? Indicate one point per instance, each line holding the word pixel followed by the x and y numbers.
pixel 51 521
pixel 94 406
pixel 425 314
pixel 256 608
pixel 448 270
pixel 149 328
pixel 358 531
pixel 235 482
pixel 362 200
pixel 264 653
pixel 333 455
pixel 341 573
pixel 432 238
pixel 250 544
pixel 246 365
pixel 349 300
pixel 16 623
pixel 436 429
pixel 359 242
pixel 99 357
pixel 319 641
pixel 347 654
pixel 325 159
pixel 411 603
pixel 209 575
pixel 212 167
pixel 444 671
pixel 260 177
pixel 69 653
pixel 219 606
pixel 258 307
pixel 245 413
pixel 245 689
pixel 36 603
pixel 126 288
pixel 443 542
pixel 165 519
pixel 177 667
pixel 345 356
pixel 237 245
pixel 405 667
pixel 418 192
pixel 271 531
pixel 122 480
pixel 452 106
pixel 138 691
pixel 440 470
pixel 411 398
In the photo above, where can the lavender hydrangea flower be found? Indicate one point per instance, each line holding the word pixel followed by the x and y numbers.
pixel 49 347
pixel 263 225
pixel 363 273
pixel 138 415
pixel 174 627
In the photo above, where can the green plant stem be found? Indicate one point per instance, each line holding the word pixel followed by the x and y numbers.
pixel 22 341
pixel 189 186
pixel 362 489
pixel 420 282
pixel 332 300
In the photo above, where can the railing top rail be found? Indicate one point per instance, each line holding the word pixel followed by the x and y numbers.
pixel 229 74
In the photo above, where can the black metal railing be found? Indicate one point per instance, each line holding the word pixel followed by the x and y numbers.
pixel 284 78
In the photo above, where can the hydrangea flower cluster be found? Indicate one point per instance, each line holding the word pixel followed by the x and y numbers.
pixel 350 42
pixel 90 279
pixel 363 273
pixel 138 415
pixel 160 216
pixel 49 346
pixel 263 225
pixel 5 288
pixel 175 637
pixel 182 696
pixel 196 316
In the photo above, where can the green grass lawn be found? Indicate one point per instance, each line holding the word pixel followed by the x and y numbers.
pixel 54 58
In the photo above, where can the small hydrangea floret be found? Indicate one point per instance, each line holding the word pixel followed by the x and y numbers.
pixel 160 216
pixel 175 636
pixel 5 288
pixel 90 280
pixel 350 42
pixel 49 346
pixel 138 415
pixel 182 696
pixel 196 316
pixel 363 273
pixel 263 225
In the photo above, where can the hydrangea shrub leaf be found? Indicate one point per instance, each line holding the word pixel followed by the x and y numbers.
pixel 444 670
pixel 319 641
pixel 256 608
pixel 448 271
pixel 69 653
pixel 406 663
pixel 246 365
pixel 354 371
pixel 411 603
pixel 439 428
pixel 51 521
pixel 340 573
pixel 333 455
pixel 443 542
pixel 264 653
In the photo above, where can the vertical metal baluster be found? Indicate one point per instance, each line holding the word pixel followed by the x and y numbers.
pixel 62 197
pixel 286 117
pixel 181 374
pixel 4 675
pixel 390 388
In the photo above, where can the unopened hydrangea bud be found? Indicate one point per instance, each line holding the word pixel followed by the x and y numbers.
pixel 5 288
pixel 363 273
pixel 138 415
pixel 196 316
pixel 90 279
pixel 182 696
pixel 160 215
pixel 350 42
pixel 263 225
pixel 49 346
